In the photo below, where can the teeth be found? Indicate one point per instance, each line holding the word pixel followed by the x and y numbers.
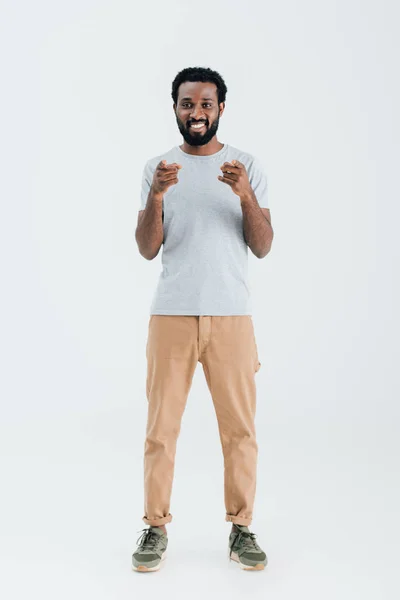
pixel 197 126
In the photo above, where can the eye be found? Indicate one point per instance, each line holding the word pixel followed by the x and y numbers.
pixel 186 104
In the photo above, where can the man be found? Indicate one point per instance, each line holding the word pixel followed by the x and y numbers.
pixel 206 202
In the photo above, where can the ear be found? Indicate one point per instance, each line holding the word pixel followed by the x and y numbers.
pixel 221 108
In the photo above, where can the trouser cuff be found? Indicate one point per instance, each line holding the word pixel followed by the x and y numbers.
pixel 238 520
pixel 158 522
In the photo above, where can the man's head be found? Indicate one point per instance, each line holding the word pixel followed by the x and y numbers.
pixel 199 98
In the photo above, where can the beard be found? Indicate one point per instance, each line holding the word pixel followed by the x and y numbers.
pixel 194 138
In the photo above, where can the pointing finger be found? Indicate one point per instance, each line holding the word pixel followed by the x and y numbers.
pixel 163 165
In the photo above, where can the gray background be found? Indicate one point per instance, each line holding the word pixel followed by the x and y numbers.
pixel 312 91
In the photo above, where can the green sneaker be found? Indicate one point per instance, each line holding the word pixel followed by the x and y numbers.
pixel 244 549
pixel 151 551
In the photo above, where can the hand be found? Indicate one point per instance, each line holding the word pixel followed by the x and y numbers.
pixel 235 175
pixel 164 176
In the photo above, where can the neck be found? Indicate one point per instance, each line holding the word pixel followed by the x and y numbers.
pixel 212 147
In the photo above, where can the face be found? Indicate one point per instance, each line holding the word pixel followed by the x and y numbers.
pixel 197 104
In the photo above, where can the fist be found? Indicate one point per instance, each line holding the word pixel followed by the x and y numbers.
pixel 235 175
pixel 164 176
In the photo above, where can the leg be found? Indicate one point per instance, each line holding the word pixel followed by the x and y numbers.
pixel 172 358
pixel 230 361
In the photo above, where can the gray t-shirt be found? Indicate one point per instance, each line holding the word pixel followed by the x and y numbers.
pixel 204 254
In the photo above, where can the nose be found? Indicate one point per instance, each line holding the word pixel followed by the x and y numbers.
pixel 197 114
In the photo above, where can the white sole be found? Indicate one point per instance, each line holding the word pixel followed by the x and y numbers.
pixel 144 569
pixel 234 557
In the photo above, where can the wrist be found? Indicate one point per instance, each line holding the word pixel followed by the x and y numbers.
pixel 157 195
pixel 246 197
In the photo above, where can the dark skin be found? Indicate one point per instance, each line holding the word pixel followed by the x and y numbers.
pixel 198 102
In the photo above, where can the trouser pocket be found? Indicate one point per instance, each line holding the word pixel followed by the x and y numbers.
pixel 257 363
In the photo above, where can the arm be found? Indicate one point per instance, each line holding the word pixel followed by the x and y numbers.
pixel 257 227
pixel 149 231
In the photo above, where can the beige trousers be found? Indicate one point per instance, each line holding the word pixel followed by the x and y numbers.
pixel 226 348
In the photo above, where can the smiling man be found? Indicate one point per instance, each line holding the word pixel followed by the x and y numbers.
pixel 206 203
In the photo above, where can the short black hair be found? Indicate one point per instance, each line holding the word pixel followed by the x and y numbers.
pixel 199 74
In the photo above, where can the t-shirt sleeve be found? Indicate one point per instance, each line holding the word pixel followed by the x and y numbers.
pixel 147 178
pixel 258 182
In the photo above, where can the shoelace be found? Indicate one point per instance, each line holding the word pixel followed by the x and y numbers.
pixel 245 539
pixel 148 539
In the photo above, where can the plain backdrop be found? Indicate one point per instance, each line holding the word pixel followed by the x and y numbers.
pixel 313 92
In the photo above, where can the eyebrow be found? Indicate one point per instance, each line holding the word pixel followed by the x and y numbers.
pixel 187 98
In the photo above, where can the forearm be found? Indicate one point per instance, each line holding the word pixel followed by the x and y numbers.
pixel 257 229
pixel 150 231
